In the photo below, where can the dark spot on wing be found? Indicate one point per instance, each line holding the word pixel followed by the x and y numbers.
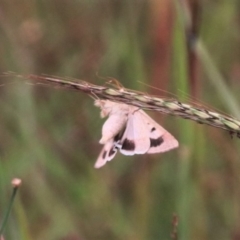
pixel 153 129
pixel 117 138
pixel 156 142
pixel 111 152
pixel 104 154
pixel 128 145
pixel 119 135
pixel 117 142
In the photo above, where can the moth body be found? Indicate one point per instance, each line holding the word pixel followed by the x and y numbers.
pixel 117 118
pixel 131 131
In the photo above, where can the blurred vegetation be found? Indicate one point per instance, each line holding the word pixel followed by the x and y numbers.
pixel 49 137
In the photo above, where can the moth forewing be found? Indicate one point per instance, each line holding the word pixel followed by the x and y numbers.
pixel 166 143
pixel 113 125
pixel 160 139
pixel 135 139
pixel 144 135
pixel 118 116
pixel 107 154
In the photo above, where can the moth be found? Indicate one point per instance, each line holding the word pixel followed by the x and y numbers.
pixel 130 131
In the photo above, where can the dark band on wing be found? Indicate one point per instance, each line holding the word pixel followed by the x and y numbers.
pixel 104 154
pixel 112 152
pixel 117 140
pixel 109 154
pixel 128 145
pixel 156 142
pixel 119 135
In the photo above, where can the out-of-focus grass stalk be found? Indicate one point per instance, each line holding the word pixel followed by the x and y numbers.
pixel 201 53
pixel 185 133
pixel 16 183
pixel 231 103
pixel 187 138
pixel 217 79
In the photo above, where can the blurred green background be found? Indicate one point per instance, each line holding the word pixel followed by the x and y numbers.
pixel 49 137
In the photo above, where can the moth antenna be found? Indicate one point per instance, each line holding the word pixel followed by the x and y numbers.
pixel 101 77
pixel 11 74
pixel 115 82
pixel 94 96
pixel 136 110
pixel 111 81
pixel 159 89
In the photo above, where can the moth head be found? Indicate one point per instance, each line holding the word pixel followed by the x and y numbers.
pixel 105 110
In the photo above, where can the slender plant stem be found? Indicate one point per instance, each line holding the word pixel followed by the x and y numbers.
pixel 5 219
pixel 174 107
